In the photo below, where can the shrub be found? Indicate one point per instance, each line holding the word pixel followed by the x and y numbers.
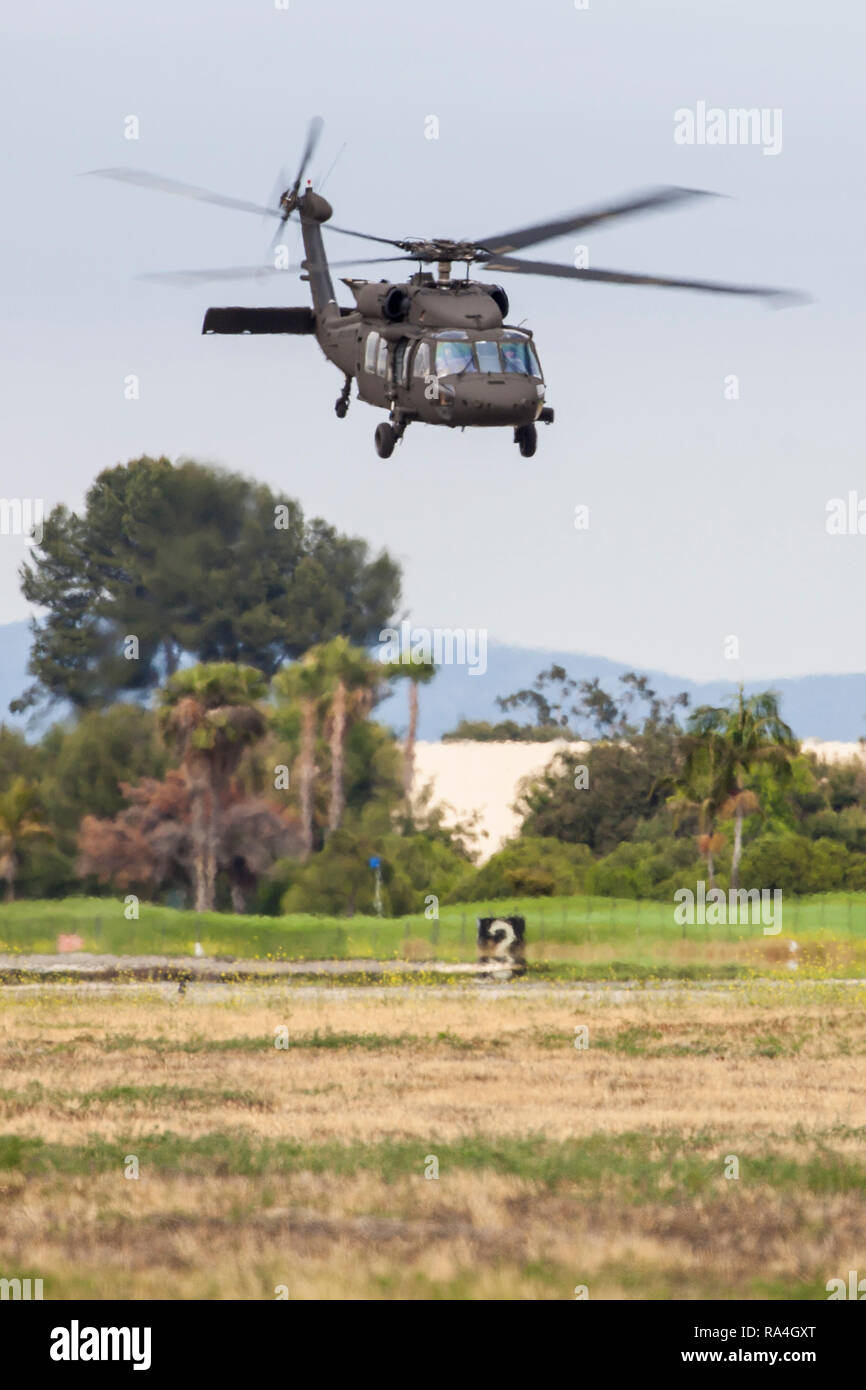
pixel 527 867
pixel 339 880
pixel 650 869
pixel 797 865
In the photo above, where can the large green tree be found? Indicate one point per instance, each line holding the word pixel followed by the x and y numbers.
pixel 167 560
pixel 597 796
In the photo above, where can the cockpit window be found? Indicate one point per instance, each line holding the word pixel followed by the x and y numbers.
pixel 488 357
pixel 515 358
pixel 453 357
pixel 518 355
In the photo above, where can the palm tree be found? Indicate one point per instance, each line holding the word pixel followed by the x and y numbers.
pixel 355 679
pixel 697 789
pixel 19 822
pixel 417 673
pixel 306 684
pixel 210 713
pixel 733 740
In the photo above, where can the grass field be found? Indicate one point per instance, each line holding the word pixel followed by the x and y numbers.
pixel 588 938
pixel 302 1168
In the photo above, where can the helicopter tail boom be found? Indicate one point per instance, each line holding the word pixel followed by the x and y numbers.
pixel 315 210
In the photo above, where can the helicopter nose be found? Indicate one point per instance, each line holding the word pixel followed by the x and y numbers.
pixel 496 400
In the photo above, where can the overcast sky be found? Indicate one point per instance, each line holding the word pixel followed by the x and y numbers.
pixel 707 515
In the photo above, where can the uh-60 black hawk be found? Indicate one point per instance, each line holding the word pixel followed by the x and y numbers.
pixel 435 350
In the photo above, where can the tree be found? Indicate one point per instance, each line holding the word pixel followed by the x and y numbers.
pixel 609 716
pixel 320 716
pixel 549 708
pixel 306 685
pixel 20 822
pixel 210 713
pixel 254 834
pixel 86 761
pixel 417 673
pixel 147 844
pixel 599 795
pixel 167 560
pixel 732 741
pixel 18 758
pixel 151 842
pixel 596 797
pixel 355 681
pixel 698 789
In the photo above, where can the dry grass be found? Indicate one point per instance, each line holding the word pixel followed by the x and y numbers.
pixel 305 1166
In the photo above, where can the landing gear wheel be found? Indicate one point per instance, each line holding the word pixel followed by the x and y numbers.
pixel 526 437
pixel 385 438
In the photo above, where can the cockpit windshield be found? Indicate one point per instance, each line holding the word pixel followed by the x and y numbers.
pixel 512 354
pixel 488 357
pixel 453 358
pixel 518 356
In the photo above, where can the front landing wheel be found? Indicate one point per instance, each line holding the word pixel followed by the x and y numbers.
pixel 385 438
pixel 526 438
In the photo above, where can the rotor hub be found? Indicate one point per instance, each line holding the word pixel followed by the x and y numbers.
pixel 440 250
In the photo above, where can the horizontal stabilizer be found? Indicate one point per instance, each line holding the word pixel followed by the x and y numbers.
pixel 236 320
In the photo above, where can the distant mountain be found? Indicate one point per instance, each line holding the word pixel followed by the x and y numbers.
pixel 822 707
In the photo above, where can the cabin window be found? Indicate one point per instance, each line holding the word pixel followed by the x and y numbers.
pixel 401 362
pixel 422 360
pixel 370 349
pixel 488 357
pixel 452 358
pixel 382 357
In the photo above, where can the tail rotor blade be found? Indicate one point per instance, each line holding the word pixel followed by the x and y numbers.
pixel 313 136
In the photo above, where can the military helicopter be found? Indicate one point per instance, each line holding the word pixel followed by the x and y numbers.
pixel 435 350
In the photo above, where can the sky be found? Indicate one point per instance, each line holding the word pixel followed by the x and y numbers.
pixel 707 515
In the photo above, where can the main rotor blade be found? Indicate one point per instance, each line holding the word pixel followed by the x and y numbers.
pixel 195 277
pixel 313 135
pixel 621 277
pixel 365 236
pixel 369 260
pixel 544 231
pixel 184 190
pixel 253 272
